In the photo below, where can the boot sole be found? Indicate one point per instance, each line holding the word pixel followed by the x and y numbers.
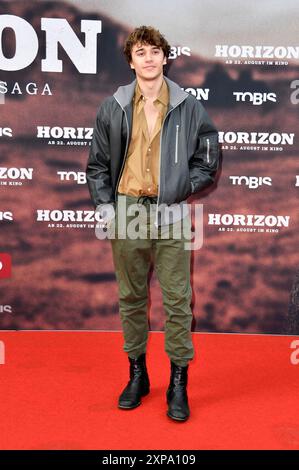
pixel 176 418
pixel 123 407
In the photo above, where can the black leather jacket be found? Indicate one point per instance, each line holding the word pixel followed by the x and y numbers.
pixel 189 150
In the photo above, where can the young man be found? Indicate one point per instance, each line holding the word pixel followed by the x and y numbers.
pixel 153 146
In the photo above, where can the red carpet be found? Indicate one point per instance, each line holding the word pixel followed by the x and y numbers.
pixel 59 390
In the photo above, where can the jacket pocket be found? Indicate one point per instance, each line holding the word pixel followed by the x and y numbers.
pixel 210 149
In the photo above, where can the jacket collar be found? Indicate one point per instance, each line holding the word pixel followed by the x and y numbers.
pixel 124 94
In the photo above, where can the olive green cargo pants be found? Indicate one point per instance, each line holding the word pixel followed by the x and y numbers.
pixel 132 260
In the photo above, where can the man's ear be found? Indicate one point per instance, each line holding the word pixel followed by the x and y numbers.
pixel 131 65
pixel 165 61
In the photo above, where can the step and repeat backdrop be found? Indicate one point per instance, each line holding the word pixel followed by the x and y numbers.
pixel 58 61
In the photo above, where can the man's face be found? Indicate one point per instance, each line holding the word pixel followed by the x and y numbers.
pixel 148 61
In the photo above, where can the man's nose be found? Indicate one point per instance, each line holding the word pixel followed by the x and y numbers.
pixel 148 56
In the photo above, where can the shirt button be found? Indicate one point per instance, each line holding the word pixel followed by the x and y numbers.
pixel 147 169
pixel 148 189
pixel 149 149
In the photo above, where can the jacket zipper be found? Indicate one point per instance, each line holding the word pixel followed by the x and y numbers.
pixel 125 154
pixel 161 133
pixel 208 150
pixel 176 143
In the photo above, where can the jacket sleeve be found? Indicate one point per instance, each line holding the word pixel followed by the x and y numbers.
pixel 98 174
pixel 204 163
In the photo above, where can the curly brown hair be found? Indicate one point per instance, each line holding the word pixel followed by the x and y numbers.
pixel 145 35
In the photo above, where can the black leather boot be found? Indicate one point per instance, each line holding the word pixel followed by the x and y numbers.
pixel 177 398
pixel 138 385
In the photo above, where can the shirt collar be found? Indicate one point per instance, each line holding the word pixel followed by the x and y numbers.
pixel 163 96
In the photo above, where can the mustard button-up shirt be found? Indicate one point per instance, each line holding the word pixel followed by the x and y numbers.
pixel 141 172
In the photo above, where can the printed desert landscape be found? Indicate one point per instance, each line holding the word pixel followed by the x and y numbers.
pixel 63 278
